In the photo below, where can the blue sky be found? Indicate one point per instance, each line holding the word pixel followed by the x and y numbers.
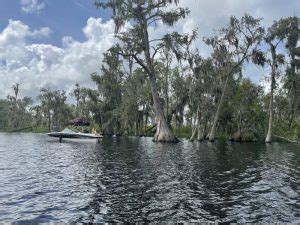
pixel 57 43
pixel 63 17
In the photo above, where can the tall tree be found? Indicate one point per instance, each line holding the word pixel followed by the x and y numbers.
pixel 236 43
pixel 13 99
pixel 247 114
pixel 46 97
pixel 4 114
pixel 109 85
pixel 292 78
pixel 19 116
pixel 274 36
pixel 198 71
pixel 180 89
pixel 76 93
pixel 201 95
pixel 141 14
pixel 163 66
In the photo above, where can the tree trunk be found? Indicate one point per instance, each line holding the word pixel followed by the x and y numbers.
pixel 167 90
pixel 163 131
pixel 141 116
pixel 200 133
pixel 49 121
pixel 167 105
pixel 212 132
pixel 269 134
pixel 136 129
pixel 296 116
pixel 195 130
pixel 180 116
pixel 146 122
pixel 296 91
pixel 200 129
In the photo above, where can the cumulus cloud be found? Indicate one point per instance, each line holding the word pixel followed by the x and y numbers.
pixel 42 32
pixel 211 15
pixel 208 16
pixel 42 65
pixel 13 48
pixel 32 6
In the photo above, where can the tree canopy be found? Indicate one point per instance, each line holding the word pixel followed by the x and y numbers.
pixel 165 87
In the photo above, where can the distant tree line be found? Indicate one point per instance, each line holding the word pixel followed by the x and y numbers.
pixel 164 87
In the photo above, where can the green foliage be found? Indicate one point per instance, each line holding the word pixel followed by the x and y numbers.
pixel 4 114
pixel 19 115
pixel 40 130
pixel 109 92
pixel 183 131
pixel 53 109
pixel 189 86
pixel 149 131
pixel 136 10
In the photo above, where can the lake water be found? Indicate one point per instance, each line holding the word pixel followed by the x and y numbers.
pixel 132 179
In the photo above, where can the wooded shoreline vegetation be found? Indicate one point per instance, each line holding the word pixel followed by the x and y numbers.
pixel 163 87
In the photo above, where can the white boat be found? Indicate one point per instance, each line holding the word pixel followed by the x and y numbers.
pixel 67 133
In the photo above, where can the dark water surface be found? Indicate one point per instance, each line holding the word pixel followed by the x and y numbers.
pixel 131 179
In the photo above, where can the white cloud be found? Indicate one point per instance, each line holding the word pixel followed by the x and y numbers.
pixel 32 6
pixel 210 15
pixel 42 32
pixel 13 48
pixel 41 65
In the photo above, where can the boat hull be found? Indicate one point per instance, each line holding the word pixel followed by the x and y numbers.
pixel 74 135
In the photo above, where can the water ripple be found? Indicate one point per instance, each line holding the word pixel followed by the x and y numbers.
pixel 136 180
